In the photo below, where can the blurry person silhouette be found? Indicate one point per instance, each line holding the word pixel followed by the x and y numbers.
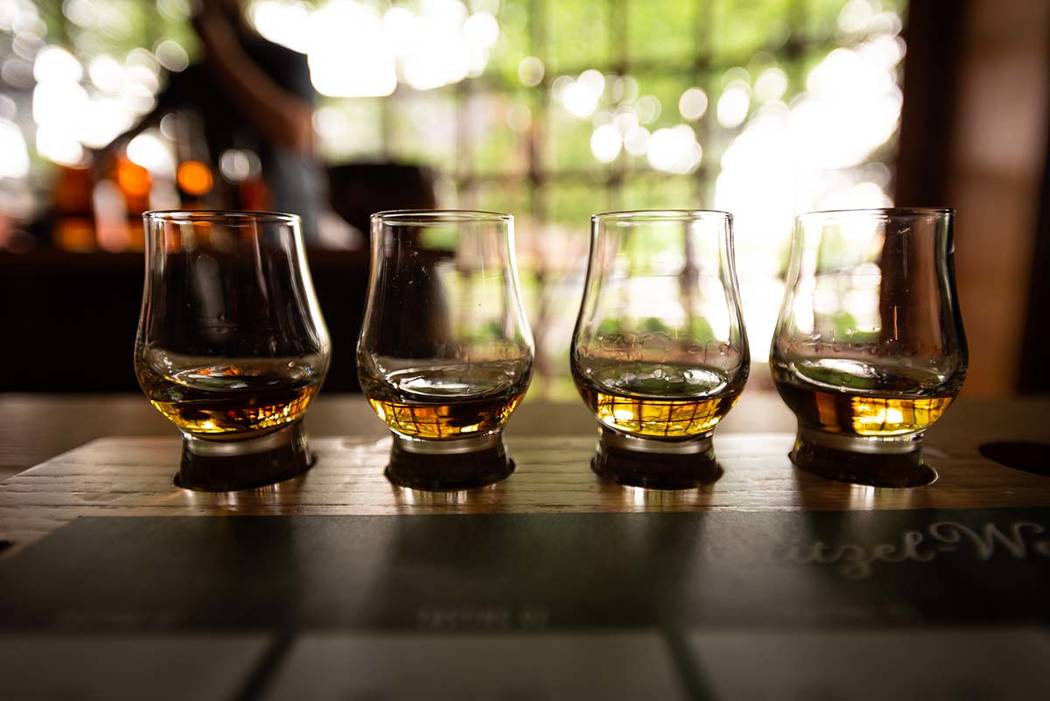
pixel 254 96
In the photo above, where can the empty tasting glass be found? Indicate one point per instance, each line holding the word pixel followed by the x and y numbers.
pixel 660 353
pixel 869 349
pixel 231 345
pixel 445 353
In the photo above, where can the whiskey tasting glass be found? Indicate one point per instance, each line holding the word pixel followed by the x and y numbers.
pixel 445 353
pixel 659 353
pixel 231 345
pixel 869 348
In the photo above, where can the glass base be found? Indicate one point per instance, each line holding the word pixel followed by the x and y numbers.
pixel 222 466
pixel 465 463
pixel 642 462
pixel 877 462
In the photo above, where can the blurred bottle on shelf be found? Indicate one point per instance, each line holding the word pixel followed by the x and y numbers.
pixel 194 175
pixel 73 207
pixel 241 170
pixel 136 186
pixel 120 193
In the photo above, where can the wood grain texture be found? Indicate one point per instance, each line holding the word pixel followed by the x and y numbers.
pixel 36 427
pixel 133 477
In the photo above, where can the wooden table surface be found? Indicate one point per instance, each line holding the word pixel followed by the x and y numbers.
pixel 551 443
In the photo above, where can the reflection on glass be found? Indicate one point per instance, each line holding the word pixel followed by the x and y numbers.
pixel 869 349
pixel 416 498
pixel 231 345
pixel 445 354
pixel 659 353
pixel 641 499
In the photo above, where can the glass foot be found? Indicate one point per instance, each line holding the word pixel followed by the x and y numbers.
pixel 222 466
pixel 641 462
pixel 448 465
pixel 877 462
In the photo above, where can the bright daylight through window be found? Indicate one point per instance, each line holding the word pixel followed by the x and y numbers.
pixel 550 110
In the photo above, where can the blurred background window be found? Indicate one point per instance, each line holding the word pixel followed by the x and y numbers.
pixel 549 109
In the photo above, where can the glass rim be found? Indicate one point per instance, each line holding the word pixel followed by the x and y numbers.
pixel 214 215
pixel 429 216
pixel 882 211
pixel 658 215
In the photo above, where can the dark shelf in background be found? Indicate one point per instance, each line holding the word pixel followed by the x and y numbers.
pixel 68 319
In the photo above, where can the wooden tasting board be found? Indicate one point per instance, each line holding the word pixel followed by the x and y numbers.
pixel 551 584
